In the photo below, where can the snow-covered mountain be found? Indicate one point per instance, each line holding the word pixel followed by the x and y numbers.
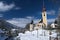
pixel 6 25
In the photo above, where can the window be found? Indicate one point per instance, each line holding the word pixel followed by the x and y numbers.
pixel 44 14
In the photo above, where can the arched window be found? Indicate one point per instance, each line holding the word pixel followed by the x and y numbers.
pixel 44 14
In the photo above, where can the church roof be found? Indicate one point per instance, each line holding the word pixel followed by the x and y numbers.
pixel 44 9
pixel 41 21
pixel 32 22
pixel 55 22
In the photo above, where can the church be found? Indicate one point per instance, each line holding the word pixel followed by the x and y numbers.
pixel 42 23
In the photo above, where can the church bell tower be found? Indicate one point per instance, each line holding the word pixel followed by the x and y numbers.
pixel 44 15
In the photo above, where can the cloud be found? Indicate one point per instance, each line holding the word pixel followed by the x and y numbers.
pixel 51 12
pixel 30 17
pixel 50 20
pixel 1 15
pixel 36 20
pixel 17 8
pixel 21 22
pixel 6 7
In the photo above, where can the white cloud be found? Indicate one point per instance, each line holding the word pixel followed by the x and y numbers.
pixel 30 17
pixel 21 22
pixel 51 20
pixel 17 8
pixel 6 7
pixel 51 12
pixel 36 20
pixel 1 15
pixel 48 20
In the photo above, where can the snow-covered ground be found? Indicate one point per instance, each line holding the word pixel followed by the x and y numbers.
pixel 33 35
pixel 2 35
pixel 36 35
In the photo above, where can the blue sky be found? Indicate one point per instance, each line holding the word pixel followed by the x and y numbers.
pixel 23 8
pixel 32 9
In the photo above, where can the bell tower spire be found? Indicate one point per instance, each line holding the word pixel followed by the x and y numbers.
pixel 43 3
pixel 44 15
pixel 44 9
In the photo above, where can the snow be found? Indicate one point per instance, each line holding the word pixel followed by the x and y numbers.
pixel 2 37
pixel 36 35
pixel 1 31
pixel 33 35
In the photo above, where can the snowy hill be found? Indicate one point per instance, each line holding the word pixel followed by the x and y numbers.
pixel 7 26
pixel 34 35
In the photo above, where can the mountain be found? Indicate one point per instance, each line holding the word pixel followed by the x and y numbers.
pixel 7 26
